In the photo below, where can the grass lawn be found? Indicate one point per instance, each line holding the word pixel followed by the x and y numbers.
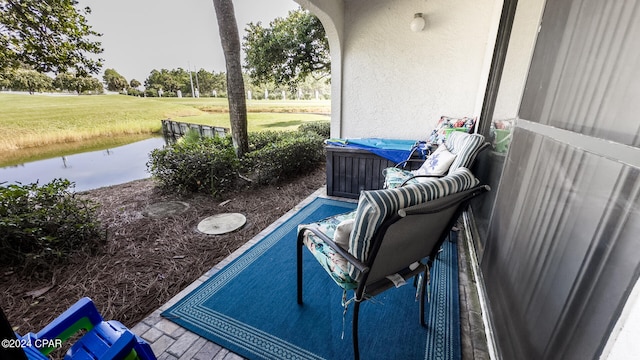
pixel 256 106
pixel 29 121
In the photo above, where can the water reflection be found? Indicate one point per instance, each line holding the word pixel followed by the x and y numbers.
pixel 89 170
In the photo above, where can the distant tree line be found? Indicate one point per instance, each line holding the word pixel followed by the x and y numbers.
pixel 202 83
pixel 165 83
pixel 168 83
pixel 34 81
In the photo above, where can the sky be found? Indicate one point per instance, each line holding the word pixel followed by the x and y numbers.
pixel 142 35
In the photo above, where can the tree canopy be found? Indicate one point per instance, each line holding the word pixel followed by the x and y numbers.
pixel 114 81
pixel 29 80
pixel 47 36
pixel 80 84
pixel 288 51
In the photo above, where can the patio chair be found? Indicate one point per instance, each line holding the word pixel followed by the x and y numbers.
pixel 458 150
pixel 101 339
pixel 396 234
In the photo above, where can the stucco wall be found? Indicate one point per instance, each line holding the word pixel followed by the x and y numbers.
pixel 397 83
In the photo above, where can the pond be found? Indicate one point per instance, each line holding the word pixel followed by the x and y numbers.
pixel 89 170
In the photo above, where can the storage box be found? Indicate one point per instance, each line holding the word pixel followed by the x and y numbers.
pixel 351 170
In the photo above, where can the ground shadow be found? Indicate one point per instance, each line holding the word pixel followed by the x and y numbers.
pixel 283 124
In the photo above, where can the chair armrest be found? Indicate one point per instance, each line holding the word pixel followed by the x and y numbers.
pixel 405 162
pixel 437 205
pixel 412 158
pixel 337 248
pixel 420 176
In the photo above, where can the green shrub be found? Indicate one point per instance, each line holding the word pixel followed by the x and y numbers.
pixel 260 139
pixel 42 225
pixel 134 92
pixel 207 165
pixel 195 164
pixel 322 128
pixel 291 155
pixel 191 136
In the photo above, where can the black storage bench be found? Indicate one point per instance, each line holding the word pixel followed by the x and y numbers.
pixel 351 170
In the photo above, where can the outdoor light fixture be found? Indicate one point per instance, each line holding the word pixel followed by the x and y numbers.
pixel 418 22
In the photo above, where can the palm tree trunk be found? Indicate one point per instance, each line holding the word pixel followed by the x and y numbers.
pixel 230 39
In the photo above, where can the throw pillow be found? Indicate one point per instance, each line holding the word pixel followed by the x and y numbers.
pixel 343 233
pixel 464 146
pixel 437 163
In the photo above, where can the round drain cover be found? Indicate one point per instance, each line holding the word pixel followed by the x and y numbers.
pixel 221 223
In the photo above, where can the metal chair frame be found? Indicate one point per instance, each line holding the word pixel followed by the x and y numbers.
pixel 372 281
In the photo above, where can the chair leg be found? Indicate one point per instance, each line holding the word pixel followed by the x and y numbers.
pixel 299 246
pixel 356 348
pixel 422 295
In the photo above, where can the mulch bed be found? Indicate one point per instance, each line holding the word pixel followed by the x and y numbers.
pixel 146 260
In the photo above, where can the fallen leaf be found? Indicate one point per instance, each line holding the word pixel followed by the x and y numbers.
pixel 224 202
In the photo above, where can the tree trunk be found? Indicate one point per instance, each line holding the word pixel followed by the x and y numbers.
pixel 235 84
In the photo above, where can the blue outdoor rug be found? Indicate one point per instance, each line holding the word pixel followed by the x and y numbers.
pixel 250 308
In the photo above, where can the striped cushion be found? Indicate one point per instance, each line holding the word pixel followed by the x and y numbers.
pixel 463 145
pixel 376 205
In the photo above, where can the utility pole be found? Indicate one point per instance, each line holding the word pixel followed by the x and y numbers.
pixel 197 84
